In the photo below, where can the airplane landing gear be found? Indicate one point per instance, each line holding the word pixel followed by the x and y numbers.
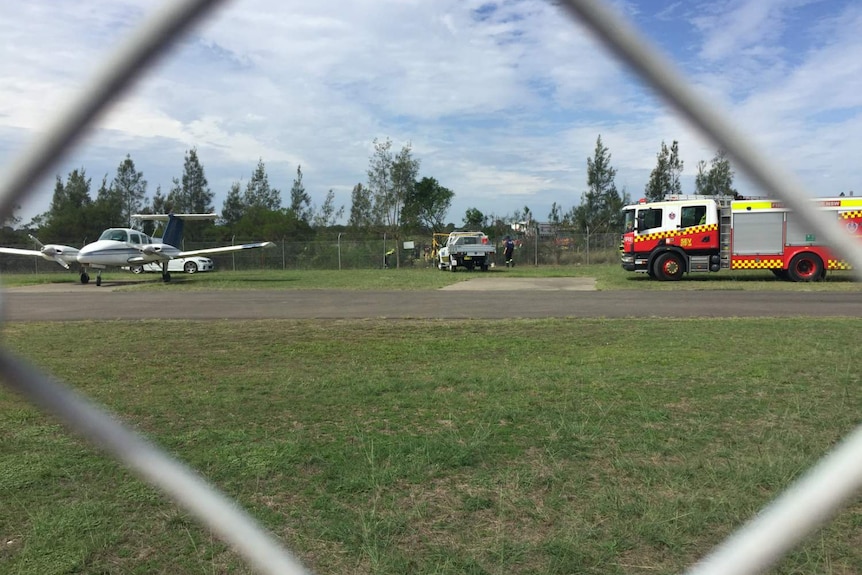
pixel 98 278
pixel 85 279
pixel 166 277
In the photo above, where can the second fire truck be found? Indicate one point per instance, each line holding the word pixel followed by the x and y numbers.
pixel 689 234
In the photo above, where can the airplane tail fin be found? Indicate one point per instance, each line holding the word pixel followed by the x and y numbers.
pixel 173 233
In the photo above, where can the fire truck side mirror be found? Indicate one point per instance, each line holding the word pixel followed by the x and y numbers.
pixel 639 221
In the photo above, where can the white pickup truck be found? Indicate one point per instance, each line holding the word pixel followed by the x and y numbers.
pixel 470 250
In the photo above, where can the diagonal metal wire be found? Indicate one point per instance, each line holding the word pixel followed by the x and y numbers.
pixel 804 506
pixel 658 71
pixel 189 490
pixel 835 480
pixel 151 40
pixel 801 509
pixel 151 464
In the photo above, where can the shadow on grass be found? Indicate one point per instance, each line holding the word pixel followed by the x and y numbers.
pixel 740 278
pixel 746 281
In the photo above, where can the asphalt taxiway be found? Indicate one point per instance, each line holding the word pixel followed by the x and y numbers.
pixel 480 298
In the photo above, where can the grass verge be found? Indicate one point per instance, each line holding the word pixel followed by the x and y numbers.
pixel 483 447
pixel 609 277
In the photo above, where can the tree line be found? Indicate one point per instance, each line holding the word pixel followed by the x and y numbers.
pixel 600 208
pixel 393 200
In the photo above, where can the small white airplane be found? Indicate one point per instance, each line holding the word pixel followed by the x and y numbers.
pixel 118 247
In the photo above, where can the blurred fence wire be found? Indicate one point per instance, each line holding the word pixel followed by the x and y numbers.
pixel 754 548
pixel 350 254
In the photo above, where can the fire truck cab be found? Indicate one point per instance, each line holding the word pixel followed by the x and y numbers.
pixel 689 234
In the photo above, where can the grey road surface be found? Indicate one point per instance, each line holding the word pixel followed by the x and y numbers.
pixel 528 299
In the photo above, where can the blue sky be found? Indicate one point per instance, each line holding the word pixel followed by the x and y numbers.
pixel 502 101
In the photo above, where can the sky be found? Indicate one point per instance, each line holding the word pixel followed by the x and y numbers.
pixel 501 101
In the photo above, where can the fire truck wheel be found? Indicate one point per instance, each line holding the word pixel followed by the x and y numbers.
pixel 668 267
pixel 805 268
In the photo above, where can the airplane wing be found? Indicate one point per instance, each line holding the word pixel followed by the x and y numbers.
pixel 164 217
pixel 149 258
pixel 226 249
pixel 50 254
pixel 19 252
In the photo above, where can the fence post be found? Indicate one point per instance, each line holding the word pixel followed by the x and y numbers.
pixel 536 249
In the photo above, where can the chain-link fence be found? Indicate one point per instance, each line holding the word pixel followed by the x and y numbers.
pixel 813 499
pixel 343 253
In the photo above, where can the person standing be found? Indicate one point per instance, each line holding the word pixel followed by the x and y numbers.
pixel 508 251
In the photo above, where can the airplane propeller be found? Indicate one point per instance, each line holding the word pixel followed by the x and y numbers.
pixel 51 251
pixel 36 241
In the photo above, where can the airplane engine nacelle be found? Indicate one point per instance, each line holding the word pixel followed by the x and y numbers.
pixel 152 249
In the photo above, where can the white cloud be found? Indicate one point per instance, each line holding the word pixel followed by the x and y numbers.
pixel 750 26
pixel 502 101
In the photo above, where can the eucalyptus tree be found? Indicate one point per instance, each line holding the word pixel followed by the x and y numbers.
pixel 300 201
pixel 717 179
pixel 107 210
pixel 234 207
pixel 258 192
pixel 391 179
pixel 474 219
pixel 327 215
pixel 361 209
pixel 427 204
pixel 666 176
pixel 69 217
pixel 130 189
pixel 600 207
pixel 192 194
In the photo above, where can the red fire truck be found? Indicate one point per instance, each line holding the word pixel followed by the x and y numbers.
pixel 688 234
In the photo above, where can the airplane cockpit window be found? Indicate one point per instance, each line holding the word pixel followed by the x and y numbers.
pixel 114 235
pixel 135 238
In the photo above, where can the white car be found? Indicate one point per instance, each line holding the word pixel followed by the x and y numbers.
pixel 188 265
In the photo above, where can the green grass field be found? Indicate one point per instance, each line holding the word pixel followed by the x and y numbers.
pixel 392 447
pixel 608 277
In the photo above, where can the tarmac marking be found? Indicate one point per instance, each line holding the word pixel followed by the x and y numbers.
pixel 524 284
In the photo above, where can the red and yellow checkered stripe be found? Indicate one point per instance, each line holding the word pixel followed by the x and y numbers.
pixel 756 264
pixel 776 263
pixel 838 265
pixel 675 233
pixel 851 215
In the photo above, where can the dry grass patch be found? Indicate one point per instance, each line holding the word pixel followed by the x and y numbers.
pixel 570 448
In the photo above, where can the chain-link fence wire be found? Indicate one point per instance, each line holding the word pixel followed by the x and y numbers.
pixel 813 499
pixel 348 254
pixel 233 525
